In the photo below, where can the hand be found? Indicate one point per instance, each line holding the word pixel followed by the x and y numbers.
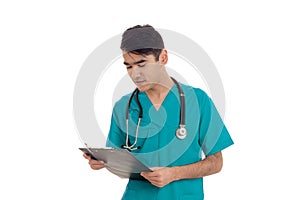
pixel 160 176
pixel 94 164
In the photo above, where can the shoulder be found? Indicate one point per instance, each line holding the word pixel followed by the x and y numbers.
pixel 201 94
pixel 123 99
pixel 121 103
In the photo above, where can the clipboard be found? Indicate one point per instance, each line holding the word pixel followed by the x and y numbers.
pixel 119 162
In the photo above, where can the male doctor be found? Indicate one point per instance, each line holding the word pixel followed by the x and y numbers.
pixel 180 152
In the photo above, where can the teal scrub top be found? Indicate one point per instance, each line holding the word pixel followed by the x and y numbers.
pixel 159 146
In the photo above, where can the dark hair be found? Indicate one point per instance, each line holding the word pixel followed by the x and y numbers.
pixel 139 26
pixel 147 51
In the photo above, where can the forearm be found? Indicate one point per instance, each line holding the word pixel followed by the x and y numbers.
pixel 210 165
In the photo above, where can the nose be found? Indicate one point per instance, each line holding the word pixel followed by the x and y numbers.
pixel 135 72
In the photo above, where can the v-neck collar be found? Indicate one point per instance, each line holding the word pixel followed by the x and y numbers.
pixel 163 102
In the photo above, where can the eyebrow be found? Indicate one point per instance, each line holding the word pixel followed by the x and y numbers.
pixel 135 63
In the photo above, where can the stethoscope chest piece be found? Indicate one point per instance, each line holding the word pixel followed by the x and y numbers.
pixel 181 132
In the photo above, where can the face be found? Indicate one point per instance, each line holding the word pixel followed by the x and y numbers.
pixel 144 71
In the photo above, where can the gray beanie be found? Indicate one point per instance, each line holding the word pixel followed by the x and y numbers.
pixel 141 38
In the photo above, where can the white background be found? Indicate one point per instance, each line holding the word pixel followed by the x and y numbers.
pixel 254 45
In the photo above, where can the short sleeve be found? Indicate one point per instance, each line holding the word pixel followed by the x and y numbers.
pixel 214 136
pixel 116 137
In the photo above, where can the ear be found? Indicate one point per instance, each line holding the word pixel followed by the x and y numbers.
pixel 163 57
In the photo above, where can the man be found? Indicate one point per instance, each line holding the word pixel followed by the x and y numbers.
pixel 175 157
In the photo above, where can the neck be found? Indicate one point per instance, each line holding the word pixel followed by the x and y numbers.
pixel 160 90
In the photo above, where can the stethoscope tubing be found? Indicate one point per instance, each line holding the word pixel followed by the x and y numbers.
pixel 135 93
pixel 182 102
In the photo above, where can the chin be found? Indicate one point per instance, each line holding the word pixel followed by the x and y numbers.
pixel 143 88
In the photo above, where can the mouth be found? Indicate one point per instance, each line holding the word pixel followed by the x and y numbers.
pixel 139 82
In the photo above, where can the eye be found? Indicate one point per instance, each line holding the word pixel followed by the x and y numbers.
pixel 128 67
pixel 142 65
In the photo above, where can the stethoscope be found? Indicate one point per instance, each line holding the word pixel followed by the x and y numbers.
pixel 181 131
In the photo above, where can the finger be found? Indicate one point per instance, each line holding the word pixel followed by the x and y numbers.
pixel 156 168
pixel 150 174
pixel 153 179
pixel 145 175
pixel 96 166
pixel 157 183
pixel 96 162
pixel 86 156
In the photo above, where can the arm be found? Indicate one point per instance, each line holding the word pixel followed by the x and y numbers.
pixel 210 165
